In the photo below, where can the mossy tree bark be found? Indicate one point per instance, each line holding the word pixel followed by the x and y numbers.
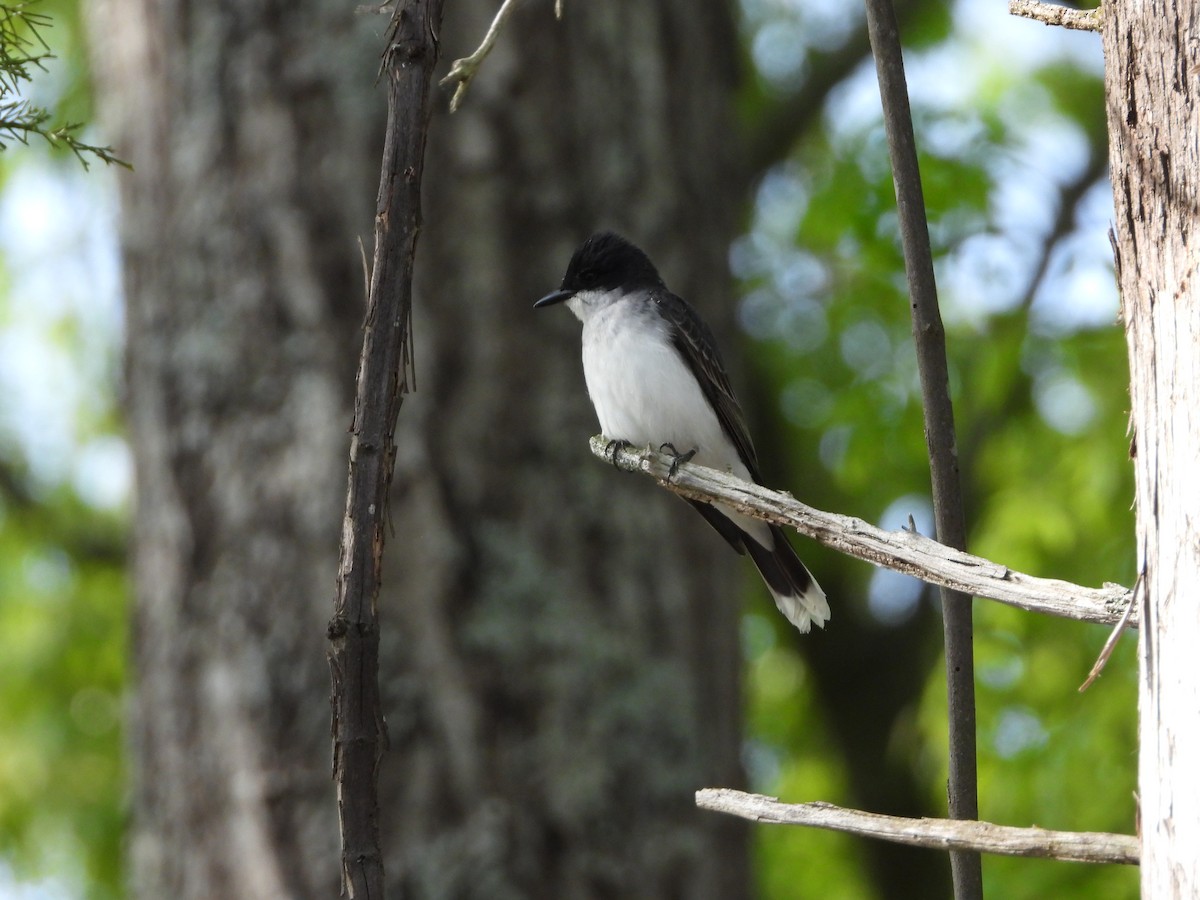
pixel 560 651
pixel 570 638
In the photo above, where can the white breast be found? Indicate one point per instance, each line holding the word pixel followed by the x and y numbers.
pixel 643 390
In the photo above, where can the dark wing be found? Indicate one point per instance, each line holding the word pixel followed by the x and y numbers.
pixel 696 345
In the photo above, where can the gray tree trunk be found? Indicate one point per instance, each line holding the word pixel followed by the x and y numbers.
pixel 249 126
pixel 561 642
pixel 569 643
pixel 1152 60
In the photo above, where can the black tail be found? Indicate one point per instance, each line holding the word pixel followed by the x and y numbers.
pixel 796 592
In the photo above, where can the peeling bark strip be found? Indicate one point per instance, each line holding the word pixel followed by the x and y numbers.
pixel 902 551
pixel 359 735
pixel 937 834
pixel 1152 61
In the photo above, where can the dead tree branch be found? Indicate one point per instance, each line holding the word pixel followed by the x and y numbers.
pixel 1053 14
pixel 903 551
pixel 930 339
pixel 464 69
pixel 937 834
pixel 384 376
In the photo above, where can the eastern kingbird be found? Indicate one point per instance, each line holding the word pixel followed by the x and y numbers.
pixel 655 377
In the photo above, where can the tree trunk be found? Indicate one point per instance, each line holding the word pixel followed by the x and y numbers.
pixel 560 642
pixel 249 127
pixel 1152 59
pixel 567 638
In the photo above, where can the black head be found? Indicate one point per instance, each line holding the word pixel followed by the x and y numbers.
pixel 603 262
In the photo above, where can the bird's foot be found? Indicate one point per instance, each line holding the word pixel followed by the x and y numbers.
pixel 611 448
pixel 677 458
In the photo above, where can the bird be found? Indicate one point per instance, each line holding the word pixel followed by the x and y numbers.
pixel 655 378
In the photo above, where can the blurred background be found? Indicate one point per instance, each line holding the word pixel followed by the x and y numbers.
pixel 570 655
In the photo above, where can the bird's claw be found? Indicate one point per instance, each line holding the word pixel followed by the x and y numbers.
pixel 677 458
pixel 611 448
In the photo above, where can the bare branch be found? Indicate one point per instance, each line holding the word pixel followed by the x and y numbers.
pixel 928 332
pixel 1111 643
pixel 1053 14
pixel 938 834
pixel 903 551
pixel 937 410
pixel 385 367
pixel 464 69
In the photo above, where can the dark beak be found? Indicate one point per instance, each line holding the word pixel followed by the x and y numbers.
pixel 556 297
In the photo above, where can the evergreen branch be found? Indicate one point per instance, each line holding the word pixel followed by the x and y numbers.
pixel 22 46
pixel 23 49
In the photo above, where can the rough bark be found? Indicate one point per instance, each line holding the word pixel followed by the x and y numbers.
pixel 243 295
pixel 385 369
pixel 569 639
pixel 562 650
pixel 1152 59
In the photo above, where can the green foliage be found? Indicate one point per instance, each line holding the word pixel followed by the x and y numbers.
pixel 1050 755
pixel 22 50
pixel 62 554
pixel 927 25
pixel 1040 401
pixel 1041 407
pixel 62 617
pixel 789 742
